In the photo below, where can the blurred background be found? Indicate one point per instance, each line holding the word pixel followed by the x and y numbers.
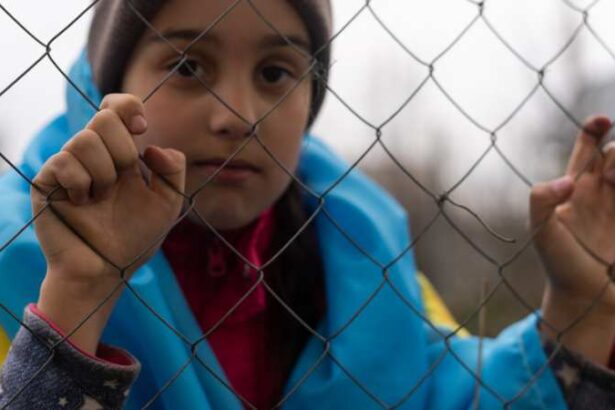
pixel 480 128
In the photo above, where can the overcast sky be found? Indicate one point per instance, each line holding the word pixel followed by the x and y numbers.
pixel 374 75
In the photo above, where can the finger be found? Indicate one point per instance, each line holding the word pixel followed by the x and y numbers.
pixel 169 164
pixel 65 171
pixel 116 137
pixel 584 151
pixel 608 171
pixel 129 108
pixel 89 149
pixel 546 196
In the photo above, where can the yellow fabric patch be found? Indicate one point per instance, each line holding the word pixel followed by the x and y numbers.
pixel 436 310
pixel 5 343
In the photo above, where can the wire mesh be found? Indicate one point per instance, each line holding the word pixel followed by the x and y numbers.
pixel 442 200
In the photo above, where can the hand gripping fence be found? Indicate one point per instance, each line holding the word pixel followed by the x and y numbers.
pixel 442 200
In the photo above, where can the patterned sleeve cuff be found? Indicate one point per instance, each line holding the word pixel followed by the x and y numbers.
pixel 105 354
pixel 63 376
pixel 585 385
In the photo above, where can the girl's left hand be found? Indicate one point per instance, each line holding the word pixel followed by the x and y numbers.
pixel 575 221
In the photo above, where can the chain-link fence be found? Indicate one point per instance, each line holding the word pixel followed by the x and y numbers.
pixel 442 201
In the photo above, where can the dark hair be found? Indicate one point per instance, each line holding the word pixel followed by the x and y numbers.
pixel 297 276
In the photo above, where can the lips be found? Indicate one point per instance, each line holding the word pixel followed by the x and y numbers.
pixel 235 171
pixel 233 164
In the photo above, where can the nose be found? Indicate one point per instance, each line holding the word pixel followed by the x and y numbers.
pixel 233 114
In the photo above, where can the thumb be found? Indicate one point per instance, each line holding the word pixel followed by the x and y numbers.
pixel 169 164
pixel 546 196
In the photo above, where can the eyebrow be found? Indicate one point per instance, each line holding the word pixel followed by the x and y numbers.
pixel 268 41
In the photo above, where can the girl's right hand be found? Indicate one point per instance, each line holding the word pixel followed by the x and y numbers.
pixel 101 193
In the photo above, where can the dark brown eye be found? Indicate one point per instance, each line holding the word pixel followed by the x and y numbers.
pixel 273 74
pixel 189 68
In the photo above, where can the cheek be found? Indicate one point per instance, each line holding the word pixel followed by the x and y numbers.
pixel 286 150
pixel 288 124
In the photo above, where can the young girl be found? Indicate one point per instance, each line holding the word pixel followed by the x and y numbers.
pixel 282 283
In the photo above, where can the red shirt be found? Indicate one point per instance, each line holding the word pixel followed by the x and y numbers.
pixel 214 279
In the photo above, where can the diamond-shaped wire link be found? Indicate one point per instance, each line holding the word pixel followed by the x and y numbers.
pixel 501 266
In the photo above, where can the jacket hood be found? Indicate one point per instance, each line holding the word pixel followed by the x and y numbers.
pixel 361 230
pixel 375 348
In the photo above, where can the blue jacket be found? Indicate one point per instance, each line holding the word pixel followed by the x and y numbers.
pixel 387 354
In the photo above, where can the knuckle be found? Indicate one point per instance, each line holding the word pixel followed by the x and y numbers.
pixel 535 192
pixel 122 103
pixel 105 116
pixel 77 172
pixel 61 161
pixel 82 179
pixel 47 168
pixel 131 100
pixel 83 140
pixel 109 100
pixel 67 170
pixel 105 101
pixel 533 196
pixel 104 173
pixel 127 157
pixel 64 170
pixel 76 180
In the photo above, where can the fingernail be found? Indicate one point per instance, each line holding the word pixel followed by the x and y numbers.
pixel 138 123
pixel 561 185
pixel 603 122
pixel 598 126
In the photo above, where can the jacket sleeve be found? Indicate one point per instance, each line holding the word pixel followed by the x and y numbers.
pixel 43 372
pixel 584 384
pixel 517 370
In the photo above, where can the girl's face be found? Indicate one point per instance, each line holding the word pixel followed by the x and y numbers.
pixel 251 69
